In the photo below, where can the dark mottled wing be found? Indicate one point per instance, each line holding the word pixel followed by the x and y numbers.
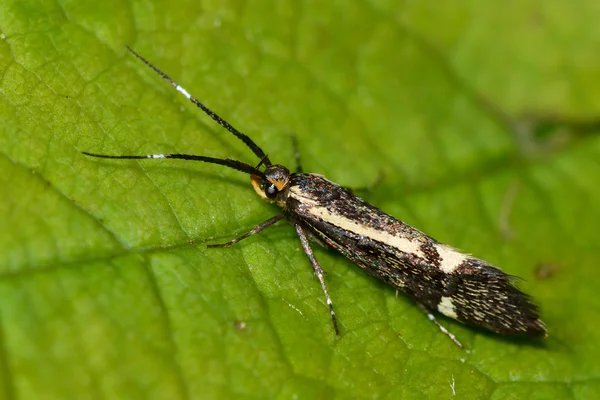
pixel 438 276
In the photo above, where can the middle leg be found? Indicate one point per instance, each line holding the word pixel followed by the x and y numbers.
pixel 318 272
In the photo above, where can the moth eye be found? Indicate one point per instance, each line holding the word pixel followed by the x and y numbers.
pixel 271 191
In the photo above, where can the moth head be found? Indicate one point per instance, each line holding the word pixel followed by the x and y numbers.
pixel 275 180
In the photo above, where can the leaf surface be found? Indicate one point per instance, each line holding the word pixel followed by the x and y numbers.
pixel 482 120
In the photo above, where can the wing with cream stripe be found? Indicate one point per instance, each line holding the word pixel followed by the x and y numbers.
pixel 437 276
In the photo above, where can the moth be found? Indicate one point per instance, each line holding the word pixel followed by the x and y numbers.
pixel 438 277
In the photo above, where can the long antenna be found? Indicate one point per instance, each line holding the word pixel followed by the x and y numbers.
pixel 244 138
pixel 228 162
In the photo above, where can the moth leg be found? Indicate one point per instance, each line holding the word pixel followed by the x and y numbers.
pixel 444 330
pixel 319 272
pixel 254 230
pixel 296 153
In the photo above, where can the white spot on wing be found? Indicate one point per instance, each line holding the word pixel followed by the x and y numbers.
pixel 183 91
pixel 450 258
pixel 447 308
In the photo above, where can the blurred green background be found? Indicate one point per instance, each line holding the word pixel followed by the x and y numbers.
pixel 481 117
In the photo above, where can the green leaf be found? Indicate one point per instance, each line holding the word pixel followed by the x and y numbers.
pixel 482 119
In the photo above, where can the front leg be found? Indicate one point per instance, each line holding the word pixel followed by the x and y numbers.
pixel 254 230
